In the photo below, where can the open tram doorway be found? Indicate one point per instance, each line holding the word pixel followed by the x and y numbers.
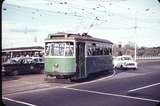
pixel 80 60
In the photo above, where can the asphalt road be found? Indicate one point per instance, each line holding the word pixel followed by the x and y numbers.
pixel 124 88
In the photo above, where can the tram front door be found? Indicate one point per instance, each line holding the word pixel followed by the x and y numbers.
pixel 80 60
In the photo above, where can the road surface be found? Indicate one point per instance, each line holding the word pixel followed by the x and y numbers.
pixel 123 88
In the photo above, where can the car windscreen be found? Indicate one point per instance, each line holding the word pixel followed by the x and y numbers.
pixel 126 58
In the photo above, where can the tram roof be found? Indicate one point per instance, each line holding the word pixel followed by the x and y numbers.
pixel 77 37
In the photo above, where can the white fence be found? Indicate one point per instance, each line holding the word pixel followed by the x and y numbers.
pixel 148 58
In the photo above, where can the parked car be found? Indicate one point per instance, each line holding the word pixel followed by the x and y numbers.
pixel 23 65
pixel 125 62
pixel 12 60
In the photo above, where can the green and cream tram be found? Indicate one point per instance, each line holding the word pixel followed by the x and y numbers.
pixel 75 56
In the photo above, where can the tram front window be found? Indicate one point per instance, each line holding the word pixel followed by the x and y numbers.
pixel 69 51
pixel 61 49
pixel 57 49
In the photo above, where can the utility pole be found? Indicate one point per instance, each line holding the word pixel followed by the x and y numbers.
pixel 35 39
pixel 135 32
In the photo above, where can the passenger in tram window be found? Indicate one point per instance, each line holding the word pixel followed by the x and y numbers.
pixel 97 51
pixel 47 50
pixel 107 51
pixel 101 51
pixel 89 52
pixel 104 52
pixel 110 51
pixel 93 51
pixel 71 51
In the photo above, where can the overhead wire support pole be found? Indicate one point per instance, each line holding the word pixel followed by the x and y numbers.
pixel 135 33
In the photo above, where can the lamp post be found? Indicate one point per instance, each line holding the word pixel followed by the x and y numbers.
pixel 135 32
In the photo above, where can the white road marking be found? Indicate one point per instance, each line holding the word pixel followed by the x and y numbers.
pixel 44 85
pixel 20 102
pixel 67 86
pixel 116 95
pixel 143 87
pixel 31 91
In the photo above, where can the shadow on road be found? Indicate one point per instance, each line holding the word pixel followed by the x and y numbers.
pixel 94 76
pixel 158 104
pixel 126 70
pixel 9 78
pixel 89 78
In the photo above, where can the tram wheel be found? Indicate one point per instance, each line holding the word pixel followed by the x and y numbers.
pixel 59 77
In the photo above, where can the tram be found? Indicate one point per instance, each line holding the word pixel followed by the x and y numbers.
pixel 75 56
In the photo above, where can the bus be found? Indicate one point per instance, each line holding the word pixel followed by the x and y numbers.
pixel 75 56
pixel 31 51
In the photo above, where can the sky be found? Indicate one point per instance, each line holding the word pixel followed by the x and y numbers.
pixel 28 22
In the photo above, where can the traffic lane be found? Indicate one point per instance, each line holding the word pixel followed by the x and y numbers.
pixel 148 92
pixel 121 83
pixel 110 80
pixel 146 67
pixel 154 66
pixel 70 97
pixel 124 81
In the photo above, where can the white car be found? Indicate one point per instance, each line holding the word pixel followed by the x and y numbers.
pixel 125 62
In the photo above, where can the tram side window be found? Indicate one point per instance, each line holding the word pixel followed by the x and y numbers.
pixel 91 49
pixel 98 49
pixel 110 51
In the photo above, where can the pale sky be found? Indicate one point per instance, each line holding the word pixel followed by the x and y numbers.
pixel 25 20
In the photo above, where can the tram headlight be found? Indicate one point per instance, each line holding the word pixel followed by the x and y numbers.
pixel 56 65
pixel 3 70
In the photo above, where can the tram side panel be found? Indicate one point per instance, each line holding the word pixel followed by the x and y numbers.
pixel 96 64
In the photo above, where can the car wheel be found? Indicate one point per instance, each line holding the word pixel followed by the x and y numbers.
pixel 15 72
pixel 121 67
pixel 135 69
